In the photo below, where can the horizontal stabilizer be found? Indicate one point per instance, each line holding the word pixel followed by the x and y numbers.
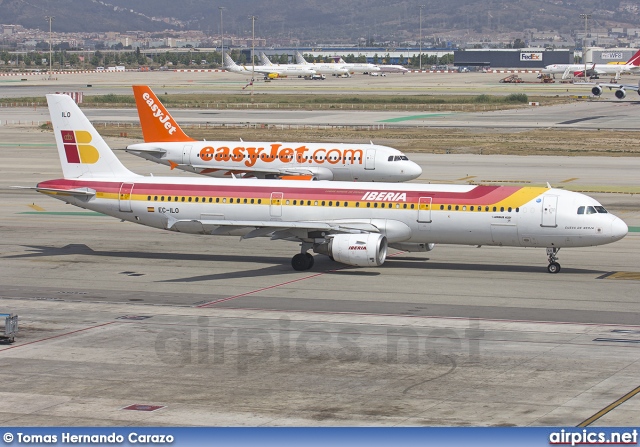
pixel 80 192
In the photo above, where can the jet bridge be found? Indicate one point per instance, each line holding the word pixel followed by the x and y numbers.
pixel 10 328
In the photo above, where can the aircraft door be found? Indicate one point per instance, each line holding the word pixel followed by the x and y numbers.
pixel 549 211
pixel 424 209
pixel 370 160
pixel 124 198
pixel 186 154
pixel 275 206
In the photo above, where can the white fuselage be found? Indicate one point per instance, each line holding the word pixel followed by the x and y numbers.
pixel 579 68
pixel 404 213
pixel 324 161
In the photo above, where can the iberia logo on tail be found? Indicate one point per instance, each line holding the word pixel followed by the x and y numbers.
pixel 77 147
pixel 157 123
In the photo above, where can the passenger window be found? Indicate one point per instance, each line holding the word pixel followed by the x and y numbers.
pixel 149 198
pixel 245 201
pixel 315 203
pixel 155 198
pixel 253 199
pixel 486 208
pixel 375 205
pixel 368 204
pixel 330 203
pixel 517 210
pixel 471 208
pixel 196 199
pixel 346 204
pixel 224 200
pixel 441 207
pixel 502 209
pixel 457 207
pixel 449 207
pixel 217 199
pixel 495 208
pixel 189 199
pixel 464 208
pixel 404 206
pixel 357 204
pixel 509 209
pixel 183 199
pixel 412 206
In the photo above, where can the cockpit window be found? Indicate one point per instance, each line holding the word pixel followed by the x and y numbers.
pixel 601 209
pixel 390 158
pixel 591 210
pixel 398 158
pixel 581 210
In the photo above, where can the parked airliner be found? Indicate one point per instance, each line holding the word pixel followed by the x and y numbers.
pixel 270 72
pixel 354 223
pixel 323 68
pixel 166 143
pixel 594 70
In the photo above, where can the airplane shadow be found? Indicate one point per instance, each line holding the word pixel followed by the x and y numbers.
pixel 323 264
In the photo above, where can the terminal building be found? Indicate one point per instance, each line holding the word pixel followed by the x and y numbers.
pixel 523 58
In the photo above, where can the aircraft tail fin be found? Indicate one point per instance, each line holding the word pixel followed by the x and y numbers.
pixel 228 62
pixel 300 59
pixel 635 60
pixel 83 153
pixel 157 123
pixel 264 60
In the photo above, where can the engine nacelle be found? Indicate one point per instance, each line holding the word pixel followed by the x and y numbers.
pixel 361 250
pixel 621 93
pixel 320 173
pixel 411 247
pixel 597 90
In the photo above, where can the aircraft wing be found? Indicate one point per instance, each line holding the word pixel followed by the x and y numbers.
pixel 276 229
pixel 253 170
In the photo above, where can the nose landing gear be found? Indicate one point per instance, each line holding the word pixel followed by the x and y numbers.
pixel 553 266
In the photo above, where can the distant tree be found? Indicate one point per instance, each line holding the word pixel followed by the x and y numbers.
pixel 518 43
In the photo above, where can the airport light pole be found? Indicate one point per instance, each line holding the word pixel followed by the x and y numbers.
pixel 221 8
pixel 50 19
pixel 421 7
pixel 253 49
pixel 586 18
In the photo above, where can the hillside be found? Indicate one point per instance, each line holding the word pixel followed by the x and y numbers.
pixel 320 19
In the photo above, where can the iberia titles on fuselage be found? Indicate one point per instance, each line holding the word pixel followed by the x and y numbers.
pixel 166 143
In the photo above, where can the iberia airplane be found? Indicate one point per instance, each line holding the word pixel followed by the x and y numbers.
pixel 166 143
pixel 354 223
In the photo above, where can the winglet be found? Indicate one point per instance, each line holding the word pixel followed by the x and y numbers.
pixel 157 123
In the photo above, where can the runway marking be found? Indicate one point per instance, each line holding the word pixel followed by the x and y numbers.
pixel 569 180
pixel 609 407
pixel 58 336
pixel 63 213
pixel 222 300
pixel 632 276
pixel 35 207
pixel 211 303
pixel 469 177
pixel 413 117
pixel 634 229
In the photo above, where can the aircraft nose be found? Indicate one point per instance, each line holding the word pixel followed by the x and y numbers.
pixel 619 229
pixel 413 171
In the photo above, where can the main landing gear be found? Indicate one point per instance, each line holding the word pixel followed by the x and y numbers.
pixel 303 260
pixel 553 266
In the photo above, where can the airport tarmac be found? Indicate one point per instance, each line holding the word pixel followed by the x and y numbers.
pixel 173 82
pixel 215 331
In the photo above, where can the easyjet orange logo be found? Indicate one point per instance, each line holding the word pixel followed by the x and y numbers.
pixel 157 112
pixel 77 147
pixel 301 154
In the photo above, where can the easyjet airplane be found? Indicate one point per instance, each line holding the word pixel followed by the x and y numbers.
pixel 352 222
pixel 166 143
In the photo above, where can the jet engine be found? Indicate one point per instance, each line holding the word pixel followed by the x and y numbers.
pixel 319 172
pixel 412 247
pixel 597 90
pixel 360 250
pixel 621 93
